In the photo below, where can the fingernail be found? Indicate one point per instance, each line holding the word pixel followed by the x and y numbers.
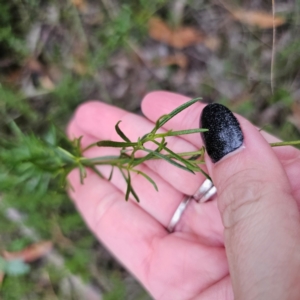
pixel 224 133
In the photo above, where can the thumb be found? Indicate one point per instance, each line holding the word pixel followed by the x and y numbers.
pixel 259 213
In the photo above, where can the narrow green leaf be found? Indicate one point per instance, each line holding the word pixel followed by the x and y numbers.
pixel 115 144
pixel 129 187
pixel 135 195
pixel 194 157
pixel 89 147
pixel 78 142
pixel 128 190
pixel 65 155
pixel 82 173
pixel 128 183
pixel 177 111
pixel 147 177
pixel 16 130
pixel 205 174
pixel 111 174
pixel 161 144
pixel 121 133
pixel 181 132
pixel 169 160
pixel 94 168
pixel 138 161
pixel 188 164
pixel 157 123
pixel 51 136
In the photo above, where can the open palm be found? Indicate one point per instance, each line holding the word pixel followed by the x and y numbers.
pixel 189 263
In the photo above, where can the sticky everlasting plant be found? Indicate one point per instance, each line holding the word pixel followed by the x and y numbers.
pixel 33 163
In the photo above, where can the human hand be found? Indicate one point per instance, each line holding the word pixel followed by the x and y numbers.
pixel 261 237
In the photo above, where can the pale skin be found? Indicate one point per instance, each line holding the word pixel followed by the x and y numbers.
pixel 251 229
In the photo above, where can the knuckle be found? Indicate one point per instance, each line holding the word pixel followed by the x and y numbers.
pixel 103 211
pixel 240 196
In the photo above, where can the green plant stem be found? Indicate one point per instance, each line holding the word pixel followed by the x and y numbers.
pixel 291 143
pixel 117 160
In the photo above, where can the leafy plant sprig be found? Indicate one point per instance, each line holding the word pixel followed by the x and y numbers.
pixel 127 161
pixel 31 164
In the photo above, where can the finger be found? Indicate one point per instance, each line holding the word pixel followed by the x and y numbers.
pixel 156 104
pixel 203 221
pixel 260 216
pixel 220 290
pixel 144 246
pixel 73 131
pixel 159 205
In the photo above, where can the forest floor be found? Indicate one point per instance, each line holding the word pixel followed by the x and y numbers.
pixel 55 55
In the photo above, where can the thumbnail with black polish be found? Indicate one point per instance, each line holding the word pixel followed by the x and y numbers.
pixel 224 133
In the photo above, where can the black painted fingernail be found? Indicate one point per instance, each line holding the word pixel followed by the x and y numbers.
pixel 224 133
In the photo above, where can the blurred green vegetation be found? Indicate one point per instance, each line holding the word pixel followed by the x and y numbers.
pixel 54 55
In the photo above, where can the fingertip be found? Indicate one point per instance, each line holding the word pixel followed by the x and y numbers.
pixel 85 110
pixel 98 118
pixel 74 132
pixel 162 98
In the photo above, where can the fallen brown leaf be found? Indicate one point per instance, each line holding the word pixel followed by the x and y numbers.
pixel 31 253
pixel 80 67
pixel 14 77
pixel 178 59
pixel 212 42
pixel 180 37
pixel 46 83
pixel 35 67
pixel 79 4
pixel 260 19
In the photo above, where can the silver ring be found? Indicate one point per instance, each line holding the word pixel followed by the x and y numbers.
pixel 206 191
pixel 179 211
pixel 203 189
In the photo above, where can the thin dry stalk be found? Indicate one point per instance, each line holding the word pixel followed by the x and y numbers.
pixel 273 47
